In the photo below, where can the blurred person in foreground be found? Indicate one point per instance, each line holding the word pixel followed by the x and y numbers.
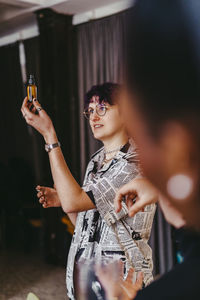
pixel 163 113
pixel 100 232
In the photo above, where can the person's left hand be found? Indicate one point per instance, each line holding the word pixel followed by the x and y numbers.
pixel 111 278
pixel 48 197
pixel 41 121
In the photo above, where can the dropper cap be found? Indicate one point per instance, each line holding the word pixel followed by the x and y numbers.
pixel 31 79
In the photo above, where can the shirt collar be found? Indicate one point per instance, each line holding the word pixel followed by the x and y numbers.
pixel 98 156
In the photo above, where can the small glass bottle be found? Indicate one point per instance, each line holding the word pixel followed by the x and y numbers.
pixel 31 89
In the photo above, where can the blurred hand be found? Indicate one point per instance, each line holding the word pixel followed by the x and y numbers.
pixel 131 289
pixel 114 285
pixel 40 121
pixel 172 215
pixel 48 197
pixel 137 193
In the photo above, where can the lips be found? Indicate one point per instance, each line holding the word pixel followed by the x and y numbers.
pixel 97 126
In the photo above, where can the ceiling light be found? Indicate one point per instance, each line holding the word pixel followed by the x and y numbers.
pixel 43 2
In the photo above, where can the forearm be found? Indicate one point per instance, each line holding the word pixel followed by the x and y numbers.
pixel 72 197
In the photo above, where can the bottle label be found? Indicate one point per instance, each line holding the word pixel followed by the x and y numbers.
pixel 31 92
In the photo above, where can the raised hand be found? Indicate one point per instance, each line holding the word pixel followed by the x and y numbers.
pixel 40 121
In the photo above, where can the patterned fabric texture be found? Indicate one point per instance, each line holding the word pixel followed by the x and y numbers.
pixel 95 232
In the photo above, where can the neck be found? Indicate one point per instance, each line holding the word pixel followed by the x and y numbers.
pixel 115 142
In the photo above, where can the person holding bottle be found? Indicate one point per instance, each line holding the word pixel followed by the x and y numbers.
pixel 100 232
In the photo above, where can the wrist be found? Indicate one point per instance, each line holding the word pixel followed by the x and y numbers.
pixel 114 295
pixel 50 137
pixel 49 147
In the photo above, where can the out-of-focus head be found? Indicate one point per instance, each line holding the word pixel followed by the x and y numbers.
pixel 102 111
pixel 163 79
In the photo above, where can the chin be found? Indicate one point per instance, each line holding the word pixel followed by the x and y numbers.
pixel 98 136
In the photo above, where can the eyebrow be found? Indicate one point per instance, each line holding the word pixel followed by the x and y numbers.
pixel 100 103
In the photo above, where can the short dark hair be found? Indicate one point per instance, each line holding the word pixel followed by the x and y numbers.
pixel 162 66
pixel 107 92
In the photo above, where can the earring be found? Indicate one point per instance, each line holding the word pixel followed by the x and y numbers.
pixel 180 186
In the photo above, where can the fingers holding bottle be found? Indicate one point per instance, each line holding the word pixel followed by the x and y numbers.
pixel 37 117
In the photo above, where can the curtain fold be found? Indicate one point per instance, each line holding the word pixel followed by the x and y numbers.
pixel 57 72
pixel 101 48
pixel 13 134
pixel 163 246
pixel 50 58
pixel 16 176
pixel 32 58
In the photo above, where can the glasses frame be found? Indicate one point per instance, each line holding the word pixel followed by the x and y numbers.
pixel 95 111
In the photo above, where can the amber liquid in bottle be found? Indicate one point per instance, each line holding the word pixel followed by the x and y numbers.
pixel 31 89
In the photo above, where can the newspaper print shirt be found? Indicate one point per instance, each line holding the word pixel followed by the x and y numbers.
pixel 94 236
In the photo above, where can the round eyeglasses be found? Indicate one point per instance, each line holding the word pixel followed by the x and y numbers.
pixel 100 110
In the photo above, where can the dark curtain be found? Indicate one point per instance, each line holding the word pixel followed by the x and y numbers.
pixel 32 58
pixel 57 78
pixel 162 243
pixel 101 48
pixel 14 135
pixel 50 58
pixel 16 177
